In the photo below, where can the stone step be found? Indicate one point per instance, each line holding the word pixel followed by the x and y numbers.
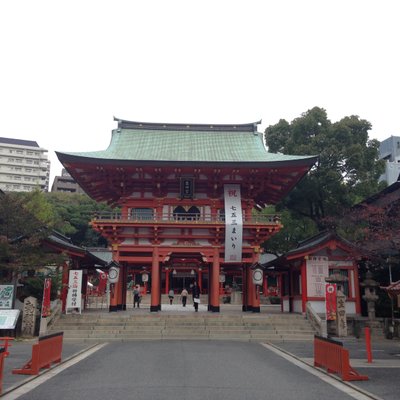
pixel 170 326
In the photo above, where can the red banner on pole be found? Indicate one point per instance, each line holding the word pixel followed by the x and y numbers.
pixel 102 283
pixel 46 298
pixel 330 301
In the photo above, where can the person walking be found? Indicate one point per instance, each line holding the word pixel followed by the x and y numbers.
pixel 171 295
pixel 136 296
pixel 196 296
pixel 184 295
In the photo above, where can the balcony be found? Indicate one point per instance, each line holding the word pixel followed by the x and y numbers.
pixel 179 219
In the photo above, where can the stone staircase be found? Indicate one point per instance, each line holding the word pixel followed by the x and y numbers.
pixel 105 327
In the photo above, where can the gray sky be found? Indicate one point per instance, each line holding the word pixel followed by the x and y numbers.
pixel 68 67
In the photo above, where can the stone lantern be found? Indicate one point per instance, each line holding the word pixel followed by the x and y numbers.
pixel 370 295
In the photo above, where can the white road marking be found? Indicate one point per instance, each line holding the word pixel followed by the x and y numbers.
pixel 34 383
pixel 346 388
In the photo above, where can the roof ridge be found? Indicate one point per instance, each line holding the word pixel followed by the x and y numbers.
pixel 125 124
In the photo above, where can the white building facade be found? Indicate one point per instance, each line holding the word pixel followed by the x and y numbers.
pixel 389 150
pixel 24 166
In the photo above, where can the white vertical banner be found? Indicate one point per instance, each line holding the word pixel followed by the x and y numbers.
pixel 317 271
pixel 233 224
pixel 74 298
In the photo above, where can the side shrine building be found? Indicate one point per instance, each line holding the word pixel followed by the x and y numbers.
pixel 187 203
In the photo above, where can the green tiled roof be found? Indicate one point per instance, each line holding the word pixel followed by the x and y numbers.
pixel 197 143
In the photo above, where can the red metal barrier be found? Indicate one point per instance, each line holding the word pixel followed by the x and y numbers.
pixel 47 351
pixel 7 344
pixel 2 357
pixel 331 355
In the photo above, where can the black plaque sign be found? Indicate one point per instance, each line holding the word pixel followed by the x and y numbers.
pixel 187 188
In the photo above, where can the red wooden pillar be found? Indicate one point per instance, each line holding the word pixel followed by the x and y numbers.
pixel 304 286
pixel 166 281
pixel 244 288
pixel 356 285
pixel 124 270
pixel 200 280
pixel 215 282
pixel 114 287
pixel 64 290
pixel 155 282
pixel 256 295
pixel 250 289
pixel 113 297
pixel 210 293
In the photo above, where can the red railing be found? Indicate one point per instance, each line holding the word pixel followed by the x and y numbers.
pixel 2 357
pixel 331 355
pixel 44 353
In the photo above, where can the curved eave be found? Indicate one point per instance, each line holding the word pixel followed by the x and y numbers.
pixel 90 174
pixel 66 158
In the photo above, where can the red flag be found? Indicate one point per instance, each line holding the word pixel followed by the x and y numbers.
pixel 330 301
pixel 46 298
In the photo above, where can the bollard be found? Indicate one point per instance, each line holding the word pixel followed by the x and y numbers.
pixel 368 344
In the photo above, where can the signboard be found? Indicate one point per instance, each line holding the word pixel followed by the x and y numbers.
pixel 8 318
pixel 6 296
pixel 330 301
pixel 46 308
pixel 233 224
pixel 317 271
pixel 187 188
pixel 74 298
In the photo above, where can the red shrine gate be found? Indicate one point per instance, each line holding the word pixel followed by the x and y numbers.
pixel 187 196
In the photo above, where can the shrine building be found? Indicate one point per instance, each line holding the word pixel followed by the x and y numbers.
pixel 188 204
pixel 303 272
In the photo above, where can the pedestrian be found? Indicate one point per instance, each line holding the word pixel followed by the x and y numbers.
pixel 196 296
pixel 184 295
pixel 171 295
pixel 136 296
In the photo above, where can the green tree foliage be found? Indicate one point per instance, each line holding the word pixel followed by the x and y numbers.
pixel 26 219
pixel 22 231
pixel 346 172
pixel 73 214
pixel 348 167
pixel 294 230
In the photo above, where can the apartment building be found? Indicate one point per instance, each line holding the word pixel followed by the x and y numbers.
pixel 24 166
pixel 66 183
pixel 389 150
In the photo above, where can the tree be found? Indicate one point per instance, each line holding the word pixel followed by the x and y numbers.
pixel 22 232
pixel 347 170
pixel 73 214
pixel 294 230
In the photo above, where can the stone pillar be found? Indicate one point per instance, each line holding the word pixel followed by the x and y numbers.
pixel 29 316
pixel 341 314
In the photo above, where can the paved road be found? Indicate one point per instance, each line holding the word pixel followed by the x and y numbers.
pixel 174 370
